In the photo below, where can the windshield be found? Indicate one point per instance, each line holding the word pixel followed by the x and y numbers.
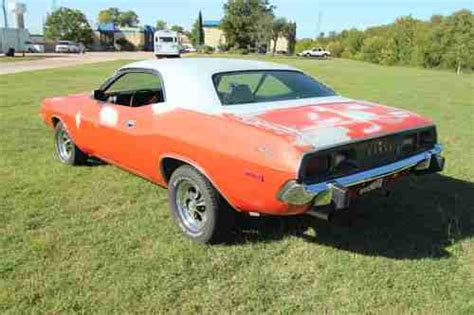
pixel 242 87
pixel 64 43
pixel 166 39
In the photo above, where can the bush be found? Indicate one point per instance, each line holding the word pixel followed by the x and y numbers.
pixel 223 47
pixel 305 44
pixel 239 51
pixel 205 49
pixel 124 44
pixel 335 48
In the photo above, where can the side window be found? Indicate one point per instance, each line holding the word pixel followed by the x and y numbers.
pixel 136 89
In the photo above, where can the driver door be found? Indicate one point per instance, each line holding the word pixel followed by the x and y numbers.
pixel 123 111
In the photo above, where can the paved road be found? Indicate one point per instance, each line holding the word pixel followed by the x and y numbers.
pixel 66 60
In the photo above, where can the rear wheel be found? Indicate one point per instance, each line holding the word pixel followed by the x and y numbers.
pixel 66 151
pixel 198 208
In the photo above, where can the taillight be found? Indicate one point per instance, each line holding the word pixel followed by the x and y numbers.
pixel 427 138
pixel 408 144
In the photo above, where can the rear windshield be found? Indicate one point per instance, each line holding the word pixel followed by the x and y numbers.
pixel 243 87
pixel 166 39
pixel 65 43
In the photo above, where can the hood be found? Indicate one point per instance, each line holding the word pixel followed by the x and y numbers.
pixel 324 125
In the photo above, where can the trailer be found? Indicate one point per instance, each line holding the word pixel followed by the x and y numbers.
pixel 13 38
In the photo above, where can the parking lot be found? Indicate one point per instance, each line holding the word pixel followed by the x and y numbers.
pixel 65 60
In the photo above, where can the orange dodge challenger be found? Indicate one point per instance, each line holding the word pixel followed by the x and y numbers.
pixel 228 136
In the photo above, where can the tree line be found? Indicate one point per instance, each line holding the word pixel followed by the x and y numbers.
pixel 442 42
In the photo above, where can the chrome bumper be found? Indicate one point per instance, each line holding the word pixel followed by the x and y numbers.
pixel 336 190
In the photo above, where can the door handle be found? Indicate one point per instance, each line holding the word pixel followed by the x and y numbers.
pixel 130 123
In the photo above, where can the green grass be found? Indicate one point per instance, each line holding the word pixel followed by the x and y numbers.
pixel 97 239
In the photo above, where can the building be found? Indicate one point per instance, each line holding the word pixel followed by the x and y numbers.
pixel 110 35
pixel 214 37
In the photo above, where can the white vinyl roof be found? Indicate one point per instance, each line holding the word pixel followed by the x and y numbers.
pixel 188 81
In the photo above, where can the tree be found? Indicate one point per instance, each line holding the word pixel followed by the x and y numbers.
pixel 110 15
pixel 178 29
pixel 128 18
pixel 458 40
pixel 304 44
pixel 247 23
pixel 278 28
pixel 114 15
pixel 69 24
pixel 290 34
pixel 160 25
pixel 404 36
pixel 197 32
pixel 442 41
pixel 372 49
pixel 352 41
pixel 335 48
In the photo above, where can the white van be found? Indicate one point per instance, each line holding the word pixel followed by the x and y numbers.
pixel 167 44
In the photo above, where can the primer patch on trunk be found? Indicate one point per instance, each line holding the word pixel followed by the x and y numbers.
pixel 358 107
pixel 372 129
pixel 323 136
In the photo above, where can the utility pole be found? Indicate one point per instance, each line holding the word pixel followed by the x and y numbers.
pixel 320 16
pixel 5 17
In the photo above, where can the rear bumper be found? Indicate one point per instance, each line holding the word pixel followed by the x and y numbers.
pixel 336 191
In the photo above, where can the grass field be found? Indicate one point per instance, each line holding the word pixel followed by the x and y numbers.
pixel 97 239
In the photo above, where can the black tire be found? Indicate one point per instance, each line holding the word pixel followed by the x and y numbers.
pixel 70 156
pixel 217 217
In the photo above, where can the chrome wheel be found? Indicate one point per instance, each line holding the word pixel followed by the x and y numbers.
pixel 64 145
pixel 191 205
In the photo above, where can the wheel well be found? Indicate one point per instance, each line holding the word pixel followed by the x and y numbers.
pixel 169 165
pixel 55 121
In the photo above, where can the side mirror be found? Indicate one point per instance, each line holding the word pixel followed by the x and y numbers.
pixel 99 95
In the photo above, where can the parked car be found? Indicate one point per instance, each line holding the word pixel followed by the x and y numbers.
pixel 66 46
pixel 187 48
pixel 33 47
pixel 227 136
pixel 315 52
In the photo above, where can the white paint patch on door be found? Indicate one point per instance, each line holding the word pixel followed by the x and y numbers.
pixel 108 116
pixel 78 120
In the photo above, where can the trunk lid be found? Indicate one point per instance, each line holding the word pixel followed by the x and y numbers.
pixel 325 125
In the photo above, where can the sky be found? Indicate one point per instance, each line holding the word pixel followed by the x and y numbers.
pixel 336 15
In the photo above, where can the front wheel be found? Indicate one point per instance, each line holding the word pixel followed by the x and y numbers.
pixel 66 151
pixel 198 208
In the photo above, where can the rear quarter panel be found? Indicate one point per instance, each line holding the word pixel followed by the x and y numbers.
pixel 246 164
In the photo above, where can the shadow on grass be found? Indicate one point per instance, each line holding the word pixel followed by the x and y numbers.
pixel 92 162
pixel 420 219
